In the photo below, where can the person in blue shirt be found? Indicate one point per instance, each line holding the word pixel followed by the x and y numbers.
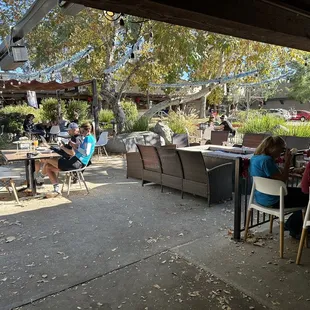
pixel 83 153
pixel 263 164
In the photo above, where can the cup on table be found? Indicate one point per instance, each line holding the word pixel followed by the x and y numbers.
pixel 35 144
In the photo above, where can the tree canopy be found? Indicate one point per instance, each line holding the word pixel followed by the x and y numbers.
pixel 168 52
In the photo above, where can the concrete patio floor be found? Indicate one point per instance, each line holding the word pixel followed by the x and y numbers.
pixel 124 246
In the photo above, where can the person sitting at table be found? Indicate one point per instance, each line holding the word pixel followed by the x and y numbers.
pixel 65 150
pixel 30 127
pixel 263 164
pixel 83 154
pixel 226 125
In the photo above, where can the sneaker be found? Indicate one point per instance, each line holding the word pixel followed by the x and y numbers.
pixel 39 177
pixel 57 189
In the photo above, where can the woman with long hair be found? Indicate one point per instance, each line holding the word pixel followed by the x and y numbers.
pixel 263 164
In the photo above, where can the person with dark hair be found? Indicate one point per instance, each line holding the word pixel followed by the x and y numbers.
pixel 30 127
pixel 75 117
pixel 83 153
pixel 226 125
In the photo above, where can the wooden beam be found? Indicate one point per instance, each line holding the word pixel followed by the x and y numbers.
pixel 258 20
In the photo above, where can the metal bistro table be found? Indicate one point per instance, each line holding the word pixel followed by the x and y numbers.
pixel 21 155
pixel 239 156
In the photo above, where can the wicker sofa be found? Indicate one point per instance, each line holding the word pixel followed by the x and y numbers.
pixel 189 172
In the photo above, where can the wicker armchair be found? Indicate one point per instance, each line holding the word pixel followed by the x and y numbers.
pixel 133 159
pixel 151 168
pixel 172 172
pixel 253 140
pixel 212 181
pixel 218 137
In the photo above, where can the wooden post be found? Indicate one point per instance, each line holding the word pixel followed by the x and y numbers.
pixel 58 107
pixel 95 106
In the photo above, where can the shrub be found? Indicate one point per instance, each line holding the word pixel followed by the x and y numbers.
pixel 142 124
pixel 49 109
pixel 106 116
pixel 131 114
pixel 12 117
pixel 258 123
pixel 81 107
pixel 180 122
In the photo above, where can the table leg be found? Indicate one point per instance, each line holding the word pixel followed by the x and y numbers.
pixel 31 177
pixel 27 172
pixel 237 213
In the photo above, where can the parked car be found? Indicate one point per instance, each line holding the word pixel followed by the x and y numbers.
pixel 301 115
pixel 280 113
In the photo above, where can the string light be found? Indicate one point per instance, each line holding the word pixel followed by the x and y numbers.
pixel 56 68
pixel 88 60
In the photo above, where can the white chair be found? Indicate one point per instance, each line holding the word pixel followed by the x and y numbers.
pixel 101 143
pixel 269 187
pixel 54 132
pixel 304 236
pixel 7 177
pixel 68 179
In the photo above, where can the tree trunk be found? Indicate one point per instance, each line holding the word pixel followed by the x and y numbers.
pixel 173 102
pixel 203 107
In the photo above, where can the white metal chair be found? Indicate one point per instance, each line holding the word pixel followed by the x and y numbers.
pixel 68 179
pixel 54 132
pixel 270 187
pixel 7 177
pixel 101 143
pixel 304 236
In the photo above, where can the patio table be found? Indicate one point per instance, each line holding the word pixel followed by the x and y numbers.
pixel 21 155
pixel 241 157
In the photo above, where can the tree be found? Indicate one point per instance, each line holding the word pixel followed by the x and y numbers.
pixel 165 54
pixel 299 83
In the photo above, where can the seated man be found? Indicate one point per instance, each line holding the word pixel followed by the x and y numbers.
pixel 226 126
pixel 65 150
pixel 83 153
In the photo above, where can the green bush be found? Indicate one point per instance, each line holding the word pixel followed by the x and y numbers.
pixel 180 122
pixel 12 117
pixel 49 109
pixel 81 107
pixel 300 130
pixel 142 124
pixel 131 113
pixel 258 123
pixel 106 116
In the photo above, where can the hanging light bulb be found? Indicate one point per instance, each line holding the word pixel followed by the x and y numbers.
pixel 69 68
pixel 121 22
pixel 132 56
pixel 11 83
pixel 19 82
pixel 88 59
pixel 3 86
pixel 151 34
pixel 29 81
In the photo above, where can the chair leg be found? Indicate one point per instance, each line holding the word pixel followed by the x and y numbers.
pixel 247 224
pixel 69 184
pixel 301 244
pixel 83 179
pixel 64 182
pixel 303 219
pixel 105 151
pixel 14 191
pixel 79 178
pixel 271 223
pixel 281 238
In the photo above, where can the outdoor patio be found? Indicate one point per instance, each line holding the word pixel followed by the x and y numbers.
pixel 133 247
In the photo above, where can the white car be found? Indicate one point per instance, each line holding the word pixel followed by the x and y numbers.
pixel 280 113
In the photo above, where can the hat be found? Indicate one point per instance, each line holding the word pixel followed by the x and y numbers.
pixel 73 126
